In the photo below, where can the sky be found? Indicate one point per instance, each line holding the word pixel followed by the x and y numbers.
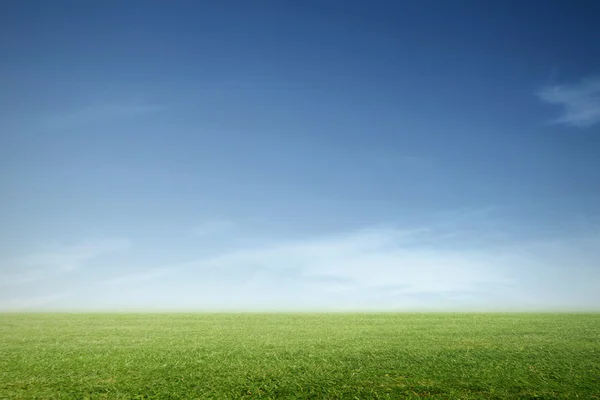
pixel 284 155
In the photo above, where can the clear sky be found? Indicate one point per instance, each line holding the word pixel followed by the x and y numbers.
pixel 305 155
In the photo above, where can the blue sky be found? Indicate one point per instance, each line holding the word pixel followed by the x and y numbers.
pixel 315 155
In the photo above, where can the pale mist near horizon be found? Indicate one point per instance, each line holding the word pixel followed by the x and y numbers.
pixel 314 155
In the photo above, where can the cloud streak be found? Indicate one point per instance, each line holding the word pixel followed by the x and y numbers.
pixel 349 270
pixel 59 259
pixel 375 269
pixel 380 268
pixel 580 102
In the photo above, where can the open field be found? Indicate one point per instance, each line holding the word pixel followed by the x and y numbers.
pixel 316 356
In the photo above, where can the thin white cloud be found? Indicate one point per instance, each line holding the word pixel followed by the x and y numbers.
pixel 59 258
pixel 370 259
pixel 580 102
pixel 21 277
pixel 382 268
pixel 379 268
pixel 69 257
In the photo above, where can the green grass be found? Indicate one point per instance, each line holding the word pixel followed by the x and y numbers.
pixel 306 356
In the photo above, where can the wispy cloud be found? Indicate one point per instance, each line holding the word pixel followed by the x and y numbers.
pixel 357 265
pixel 378 268
pixel 59 258
pixel 69 257
pixel 580 101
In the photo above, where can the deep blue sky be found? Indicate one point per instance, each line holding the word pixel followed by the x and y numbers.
pixel 313 154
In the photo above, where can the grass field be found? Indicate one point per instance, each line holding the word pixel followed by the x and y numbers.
pixel 306 356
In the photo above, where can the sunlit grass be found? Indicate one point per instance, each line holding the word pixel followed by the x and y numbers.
pixel 317 356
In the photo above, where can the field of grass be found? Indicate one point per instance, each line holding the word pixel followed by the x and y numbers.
pixel 304 356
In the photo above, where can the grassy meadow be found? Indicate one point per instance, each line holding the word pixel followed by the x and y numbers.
pixel 300 356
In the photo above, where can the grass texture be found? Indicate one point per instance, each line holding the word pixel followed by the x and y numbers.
pixel 300 356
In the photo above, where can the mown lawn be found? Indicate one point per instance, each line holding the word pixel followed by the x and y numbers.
pixel 305 356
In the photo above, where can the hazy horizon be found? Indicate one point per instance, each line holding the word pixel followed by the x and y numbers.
pixel 300 156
